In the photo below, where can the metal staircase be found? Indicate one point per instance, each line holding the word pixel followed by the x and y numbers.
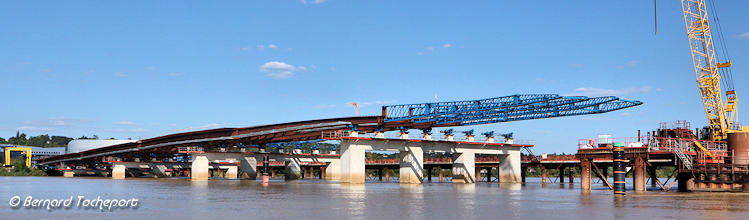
pixel 678 149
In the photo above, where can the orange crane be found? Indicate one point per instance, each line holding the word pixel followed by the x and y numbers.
pixel 356 107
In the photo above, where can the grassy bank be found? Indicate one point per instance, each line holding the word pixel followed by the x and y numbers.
pixel 20 169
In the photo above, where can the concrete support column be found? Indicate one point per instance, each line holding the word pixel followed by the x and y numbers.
pixel 412 166
pixel 572 175
pixel 639 174
pixel 523 170
pixel 585 174
pixel 322 172
pixel 118 171
pixel 429 174
pixel 333 170
pixel 543 175
pixel 199 169
pixel 509 167
pixel 232 172
pixel 311 173
pixel 293 170
pixel 352 163
pixel 440 174
pixel 561 175
pixel 158 170
pixel 464 167
pixel 248 168
pixel 387 174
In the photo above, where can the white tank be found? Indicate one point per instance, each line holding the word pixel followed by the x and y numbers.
pixel 76 146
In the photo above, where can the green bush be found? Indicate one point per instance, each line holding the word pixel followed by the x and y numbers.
pixel 20 169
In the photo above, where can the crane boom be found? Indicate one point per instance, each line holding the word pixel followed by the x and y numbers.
pixel 706 67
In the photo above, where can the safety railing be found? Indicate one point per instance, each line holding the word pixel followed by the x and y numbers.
pixel 629 142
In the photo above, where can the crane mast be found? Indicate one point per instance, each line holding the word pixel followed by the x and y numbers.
pixel 706 67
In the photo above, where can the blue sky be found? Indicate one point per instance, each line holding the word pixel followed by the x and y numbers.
pixel 143 68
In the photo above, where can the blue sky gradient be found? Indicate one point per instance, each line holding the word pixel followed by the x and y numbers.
pixel 140 69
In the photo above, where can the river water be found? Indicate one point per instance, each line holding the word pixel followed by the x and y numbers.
pixel 315 199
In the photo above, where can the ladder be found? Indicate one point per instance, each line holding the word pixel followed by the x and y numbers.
pixel 678 149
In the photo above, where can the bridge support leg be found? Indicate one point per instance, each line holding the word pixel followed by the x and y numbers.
pixel 653 182
pixel 199 170
pixel 248 168
pixel 639 174
pixel 379 174
pixel 118 171
pixel 523 170
pixel 333 170
pixel 464 167
pixel 561 175
pixel 429 174
pixel 158 170
pixel 489 174
pixel 412 166
pixel 387 174
pixel 509 167
pixel 572 174
pixel 440 174
pixel 585 175
pixel 352 163
pixel 231 173
pixel 311 173
pixel 543 175
pixel 478 174
pixel 293 170
pixel 322 172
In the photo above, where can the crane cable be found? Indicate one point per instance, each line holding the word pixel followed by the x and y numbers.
pixel 726 73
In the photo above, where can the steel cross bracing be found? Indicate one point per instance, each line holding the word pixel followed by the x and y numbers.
pixel 504 109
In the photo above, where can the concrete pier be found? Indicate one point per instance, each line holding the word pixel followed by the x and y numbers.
pixel 509 167
pixel 293 170
pixel 199 168
pixel 639 174
pixel 158 170
pixel 412 166
pixel 231 172
pixel 248 168
pixel 118 171
pixel 464 167
pixel 352 163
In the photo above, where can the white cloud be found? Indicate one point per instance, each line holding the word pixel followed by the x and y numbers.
pixel 32 128
pixel 125 123
pixel 120 75
pixel 278 70
pixel 174 74
pixel 595 92
pixel 364 104
pixel 130 130
pixel 302 68
pixel 631 63
pixel 744 35
pixel 272 46
pixel 430 49
pixel 201 127
pixel 314 2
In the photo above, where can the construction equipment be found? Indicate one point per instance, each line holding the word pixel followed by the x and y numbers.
pixel 709 71
pixel 356 107
pixel 22 149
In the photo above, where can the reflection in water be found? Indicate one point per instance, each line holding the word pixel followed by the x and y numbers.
pixel 314 199
pixel 355 197
pixel 412 201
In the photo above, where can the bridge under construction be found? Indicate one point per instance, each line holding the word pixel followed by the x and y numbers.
pixel 236 152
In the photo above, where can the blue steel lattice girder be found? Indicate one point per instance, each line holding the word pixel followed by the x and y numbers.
pixel 426 110
pixel 536 106
pixel 573 111
pixel 503 109
pixel 558 105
